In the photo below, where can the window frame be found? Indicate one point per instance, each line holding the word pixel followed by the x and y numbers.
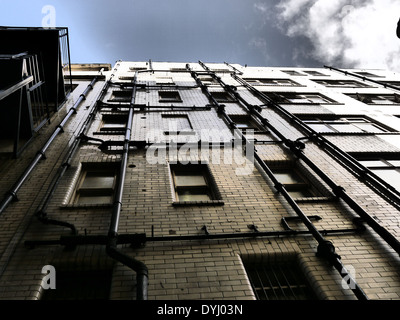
pixel 294 73
pixel 110 119
pixel 314 73
pixel 385 165
pixel 333 83
pixel 272 82
pixel 165 96
pixel 252 123
pixel 351 120
pixel 222 97
pixel 109 169
pixel 121 96
pixel 304 186
pixel 284 98
pixel 178 131
pixel 368 98
pixel 288 280
pixel 209 187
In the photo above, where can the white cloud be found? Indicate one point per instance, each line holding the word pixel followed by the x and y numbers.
pixel 358 33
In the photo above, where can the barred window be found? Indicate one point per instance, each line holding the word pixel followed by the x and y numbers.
pixel 279 280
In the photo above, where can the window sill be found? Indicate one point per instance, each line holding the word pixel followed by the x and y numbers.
pixel 314 199
pixel 85 206
pixel 198 203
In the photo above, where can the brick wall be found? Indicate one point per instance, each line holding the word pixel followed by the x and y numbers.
pixel 197 269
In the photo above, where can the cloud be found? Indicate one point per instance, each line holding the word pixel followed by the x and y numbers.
pixel 347 34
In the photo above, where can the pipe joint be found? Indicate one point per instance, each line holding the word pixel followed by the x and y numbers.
pixel 13 195
pixel 338 190
pixel 326 250
pixel 42 154
pixel 61 127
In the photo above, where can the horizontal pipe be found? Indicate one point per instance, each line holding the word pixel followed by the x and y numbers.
pixel 337 190
pixel 139 239
pixel 325 248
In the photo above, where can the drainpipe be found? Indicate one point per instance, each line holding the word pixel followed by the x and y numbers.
pixel 325 249
pixel 41 213
pixel 296 146
pixel 391 194
pixel 111 247
pixel 12 194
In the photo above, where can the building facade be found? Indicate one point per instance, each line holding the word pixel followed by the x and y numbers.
pixel 208 181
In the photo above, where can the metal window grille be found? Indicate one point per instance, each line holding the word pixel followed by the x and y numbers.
pixel 278 281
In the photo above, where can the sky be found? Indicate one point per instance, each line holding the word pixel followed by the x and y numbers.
pixel 292 33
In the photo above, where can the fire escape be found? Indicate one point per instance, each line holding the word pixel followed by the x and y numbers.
pixel 33 62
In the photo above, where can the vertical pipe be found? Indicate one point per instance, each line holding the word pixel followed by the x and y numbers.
pixel 325 248
pixel 111 248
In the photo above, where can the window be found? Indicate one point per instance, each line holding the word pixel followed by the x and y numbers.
pixel 293 72
pixel 299 98
pixel 367 74
pixel 245 123
pixel 377 98
pixel 272 82
pixel 294 182
pixel 278 280
pixel 176 123
pixel 69 88
pixel 345 124
pixel 342 83
pixel 387 170
pixel 113 124
pixel 314 73
pixel 393 83
pixel 207 80
pixel 80 285
pixel 221 96
pixel 193 182
pixel 134 69
pixel 126 78
pixel 121 96
pixel 96 184
pixel 164 81
pixel 169 96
